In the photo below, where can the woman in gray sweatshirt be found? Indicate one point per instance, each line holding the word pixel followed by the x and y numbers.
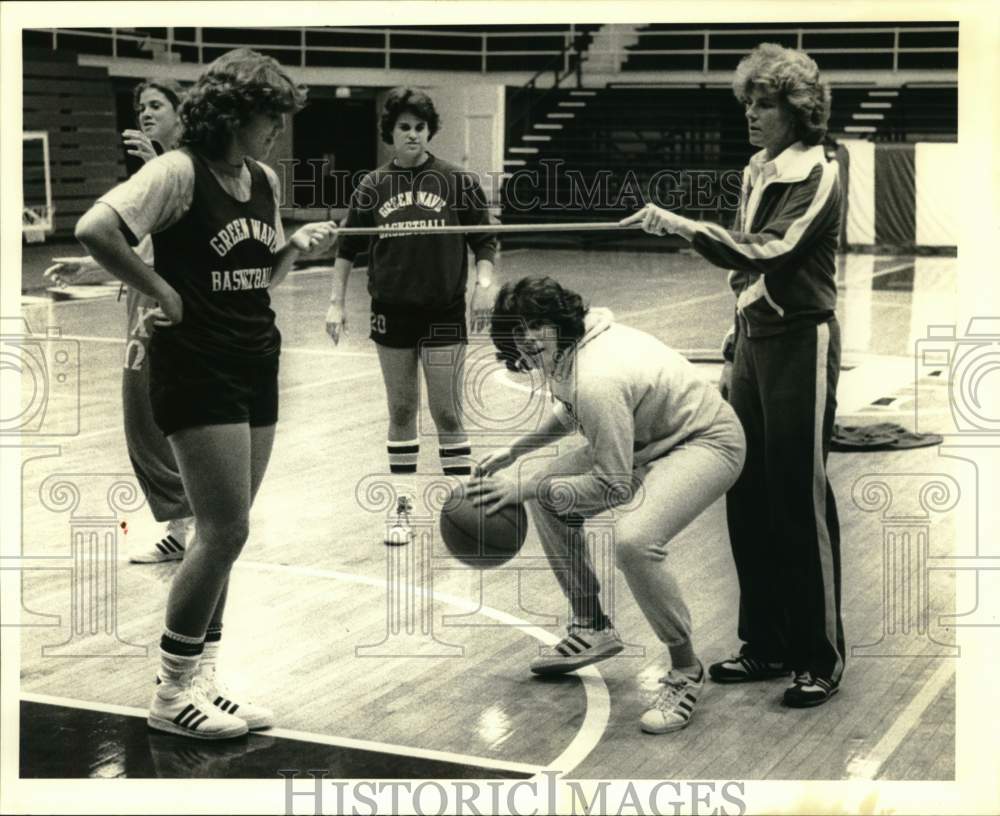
pixel 661 447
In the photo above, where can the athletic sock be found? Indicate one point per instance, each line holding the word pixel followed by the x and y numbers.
pixel 456 458
pixel 694 672
pixel 179 658
pixel 587 612
pixel 210 657
pixel 403 455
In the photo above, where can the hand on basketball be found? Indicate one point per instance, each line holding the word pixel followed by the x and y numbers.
pixel 494 493
pixel 80 271
pixel 138 144
pixel 315 238
pixel 336 321
pixel 495 461
pixel 481 306
pixel 654 220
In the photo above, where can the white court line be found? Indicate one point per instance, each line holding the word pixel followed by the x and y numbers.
pixel 598 711
pixel 868 767
pixel 306 736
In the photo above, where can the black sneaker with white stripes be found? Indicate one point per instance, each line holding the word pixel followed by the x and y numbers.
pixel 743 668
pixel 808 690
pixel 581 647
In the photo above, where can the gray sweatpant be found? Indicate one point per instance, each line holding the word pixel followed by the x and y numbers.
pixel 675 489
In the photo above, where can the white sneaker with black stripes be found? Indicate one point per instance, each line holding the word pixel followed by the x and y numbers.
pixel 581 647
pixel 170 547
pixel 401 533
pixel 674 704
pixel 219 695
pixel 183 709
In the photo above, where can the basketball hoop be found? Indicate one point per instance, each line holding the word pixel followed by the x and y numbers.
pixel 35 223
pixel 36 216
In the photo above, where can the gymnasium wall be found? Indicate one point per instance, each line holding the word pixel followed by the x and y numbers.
pixel 75 105
pixel 902 195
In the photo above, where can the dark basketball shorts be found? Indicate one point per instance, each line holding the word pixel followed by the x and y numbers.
pixel 190 390
pixel 398 326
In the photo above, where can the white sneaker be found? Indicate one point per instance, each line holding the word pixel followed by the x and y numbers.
pixel 169 548
pixel 581 647
pixel 674 704
pixel 401 532
pixel 190 714
pixel 220 696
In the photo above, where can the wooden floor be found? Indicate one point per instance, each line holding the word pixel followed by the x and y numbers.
pixel 310 608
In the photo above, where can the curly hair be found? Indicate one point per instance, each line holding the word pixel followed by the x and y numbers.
pixel 528 304
pixel 407 100
pixel 794 77
pixel 168 87
pixel 237 86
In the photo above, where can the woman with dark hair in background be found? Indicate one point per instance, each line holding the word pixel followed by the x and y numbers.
pixel 417 283
pixel 213 211
pixel 156 103
pixel 656 432
pixel 783 364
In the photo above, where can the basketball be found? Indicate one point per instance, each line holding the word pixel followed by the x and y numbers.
pixel 479 540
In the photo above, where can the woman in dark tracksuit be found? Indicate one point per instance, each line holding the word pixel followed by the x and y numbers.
pixel 783 358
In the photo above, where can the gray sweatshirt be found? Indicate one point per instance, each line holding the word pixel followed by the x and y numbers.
pixel 633 399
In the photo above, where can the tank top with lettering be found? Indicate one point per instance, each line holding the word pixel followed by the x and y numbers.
pixel 219 258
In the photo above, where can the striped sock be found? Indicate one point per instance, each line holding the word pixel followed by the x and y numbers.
pixel 209 657
pixel 179 657
pixel 403 455
pixel 456 458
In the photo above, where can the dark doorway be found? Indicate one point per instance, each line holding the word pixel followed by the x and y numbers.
pixel 343 133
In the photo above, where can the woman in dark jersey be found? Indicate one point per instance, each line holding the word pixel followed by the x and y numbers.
pixel 212 210
pixel 157 108
pixel 417 283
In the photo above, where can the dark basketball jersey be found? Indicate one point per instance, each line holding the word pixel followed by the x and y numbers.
pixel 219 258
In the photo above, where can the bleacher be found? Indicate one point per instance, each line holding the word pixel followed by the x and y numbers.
pixel 75 105
pixel 441 48
pixel 660 45
pixel 618 138
pixel 618 141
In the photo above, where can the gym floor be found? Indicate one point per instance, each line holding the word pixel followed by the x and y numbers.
pixel 373 675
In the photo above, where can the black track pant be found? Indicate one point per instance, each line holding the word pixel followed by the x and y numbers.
pixel 783 523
